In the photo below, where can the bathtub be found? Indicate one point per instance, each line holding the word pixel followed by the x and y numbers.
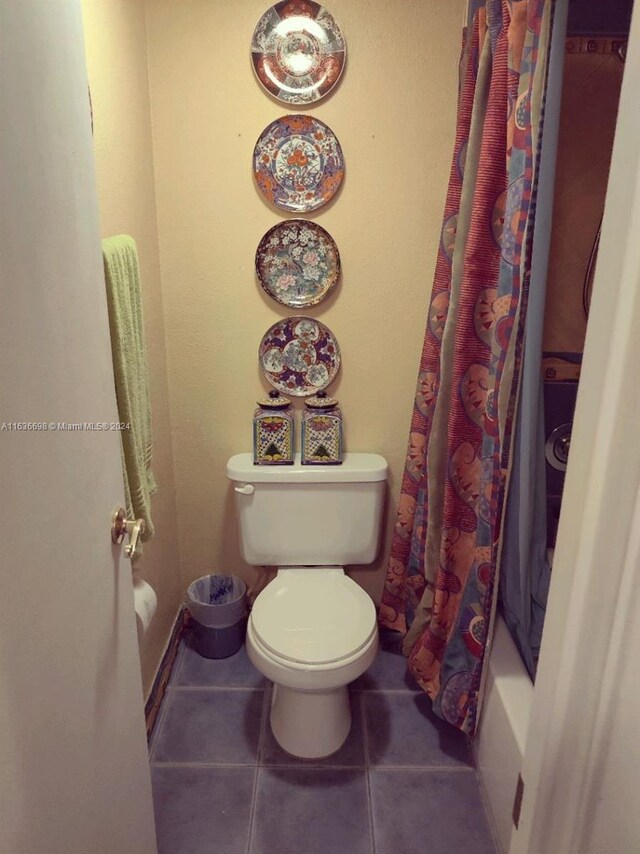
pixel 500 739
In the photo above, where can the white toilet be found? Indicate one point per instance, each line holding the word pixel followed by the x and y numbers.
pixel 312 630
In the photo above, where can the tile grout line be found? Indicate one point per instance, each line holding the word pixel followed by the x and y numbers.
pixel 406 691
pixel 177 664
pixel 266 708
pixel 203 765
pixel 306 766
pixel 157 727
pixel 215 688
pixel 159 724
pixel 266 697
pixel 365 748
pixel 493 831
pixel 309 766
pixel 449 769
pixel 484 798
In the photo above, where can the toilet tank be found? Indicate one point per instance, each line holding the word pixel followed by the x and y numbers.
pixel 299 515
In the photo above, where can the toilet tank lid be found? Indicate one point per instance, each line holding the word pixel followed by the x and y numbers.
pixel 355 468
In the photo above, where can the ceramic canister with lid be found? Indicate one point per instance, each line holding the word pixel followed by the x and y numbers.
pixel 321 431
pixel 273 431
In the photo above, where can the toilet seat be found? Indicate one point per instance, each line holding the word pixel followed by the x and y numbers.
pixel 313 617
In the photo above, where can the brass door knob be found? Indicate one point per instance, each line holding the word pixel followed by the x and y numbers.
pixel 121 526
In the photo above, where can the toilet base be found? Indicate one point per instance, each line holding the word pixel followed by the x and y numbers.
pixel 310 724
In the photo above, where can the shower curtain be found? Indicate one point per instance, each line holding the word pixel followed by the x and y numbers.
pixel 442 578
pixel 525 573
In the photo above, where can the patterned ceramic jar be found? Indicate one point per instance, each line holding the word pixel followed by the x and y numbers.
pixel 321 431
pixel 273 431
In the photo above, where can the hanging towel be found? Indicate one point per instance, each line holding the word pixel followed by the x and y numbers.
pixel 124 298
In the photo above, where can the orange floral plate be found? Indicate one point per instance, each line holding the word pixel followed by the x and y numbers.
pixel 298 163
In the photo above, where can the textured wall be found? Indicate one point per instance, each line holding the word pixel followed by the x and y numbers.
pixel 117 63
pixel 394 114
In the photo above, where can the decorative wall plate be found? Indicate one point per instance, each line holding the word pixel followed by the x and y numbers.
pixel 297 263
pixel 298 163
pixel 299 356
pixel 298 51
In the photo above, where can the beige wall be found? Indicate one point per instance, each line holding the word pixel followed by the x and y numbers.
pixel 394 114
pixel 117 63
pixel 179 141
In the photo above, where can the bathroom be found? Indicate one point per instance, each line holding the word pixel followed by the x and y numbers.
pixel 176 113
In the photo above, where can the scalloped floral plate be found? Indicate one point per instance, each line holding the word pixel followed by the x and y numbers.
pixel 298 163
pixel 298 263
pixel 299 356
pixel 298 51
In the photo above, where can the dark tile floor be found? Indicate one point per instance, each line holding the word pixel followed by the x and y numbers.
pixel 403 783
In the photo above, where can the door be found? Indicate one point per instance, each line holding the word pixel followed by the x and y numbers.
pixel 74 774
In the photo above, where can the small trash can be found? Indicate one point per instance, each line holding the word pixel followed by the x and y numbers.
pixel 218 608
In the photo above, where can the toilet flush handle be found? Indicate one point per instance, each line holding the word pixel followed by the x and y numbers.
pixel 247 489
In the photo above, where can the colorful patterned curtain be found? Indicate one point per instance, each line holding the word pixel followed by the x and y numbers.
pixel 441 582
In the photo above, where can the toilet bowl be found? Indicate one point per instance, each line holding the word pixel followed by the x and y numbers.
pixel 312 635
pixel 312 630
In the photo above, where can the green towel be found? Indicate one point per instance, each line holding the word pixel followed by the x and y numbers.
pixel 124 298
